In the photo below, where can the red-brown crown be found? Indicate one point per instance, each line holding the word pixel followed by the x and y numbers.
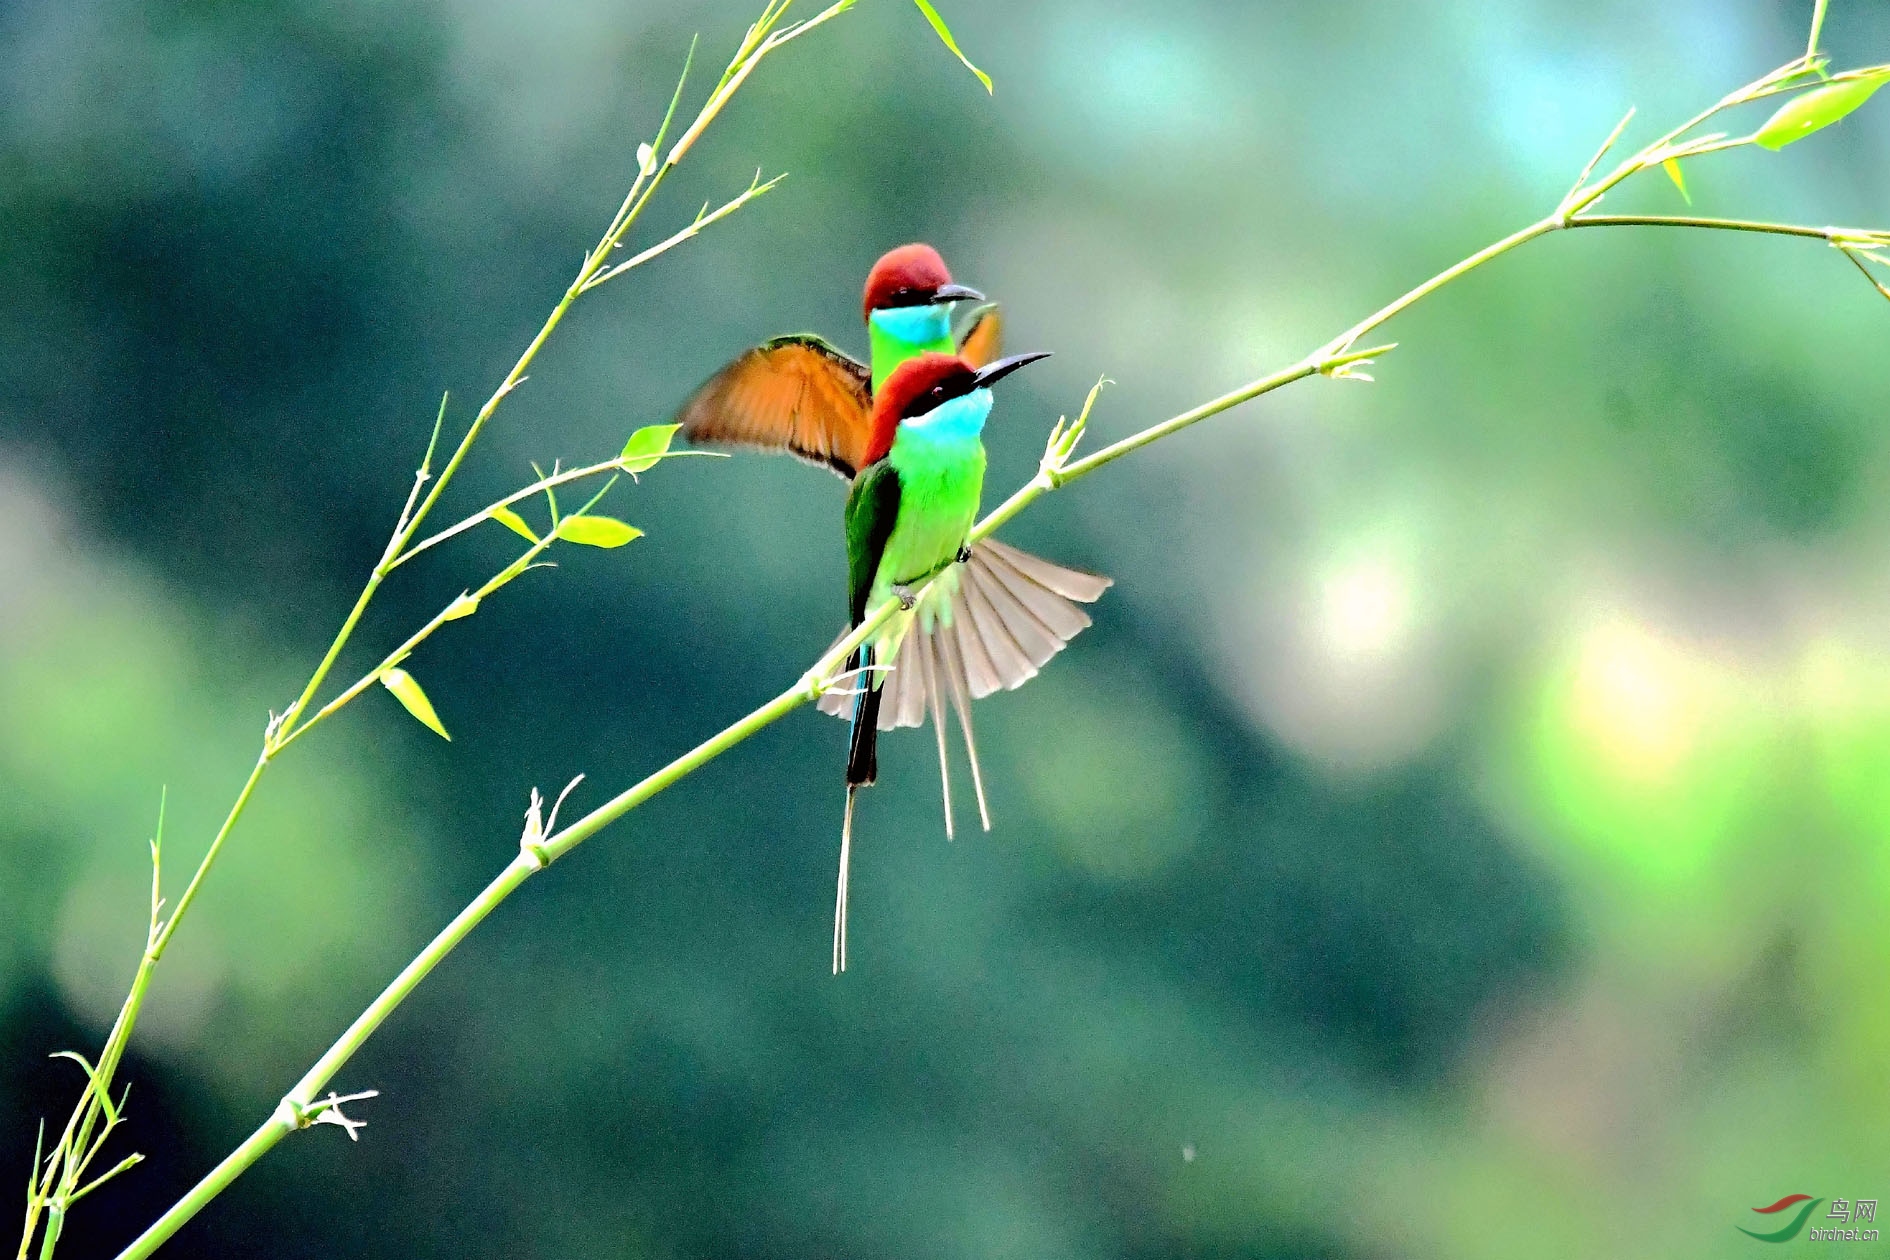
pixel 915 267
pixel 908 383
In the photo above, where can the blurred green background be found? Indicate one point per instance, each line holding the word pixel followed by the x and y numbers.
pixel 1463 833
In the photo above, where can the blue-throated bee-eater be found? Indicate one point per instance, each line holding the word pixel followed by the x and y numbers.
pixel 907 433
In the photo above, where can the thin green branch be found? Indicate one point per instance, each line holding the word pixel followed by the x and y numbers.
pixel 517 496
pixel 463 605
pixel 449 613
pixel 1339 345
pixel 645 166
pixel 67 1161
pixel 77 1146
pixel 422 473
pixel 755 189
pixel 762 39
pixel 1851 242
pixel 1787 78
pixel 1858 262
pixel 156 951
pixel 128 1161
pixel 1174 424
pixel 1697 221
pixel 1602 152
pixel 557 479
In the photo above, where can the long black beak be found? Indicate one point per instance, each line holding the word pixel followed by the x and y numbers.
pixel 991 373
pixel 954 293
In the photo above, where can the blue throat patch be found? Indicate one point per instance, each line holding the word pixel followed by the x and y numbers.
pixel 960 420
pixel 915 325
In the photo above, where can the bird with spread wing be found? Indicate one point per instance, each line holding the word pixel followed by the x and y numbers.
pixel 906 432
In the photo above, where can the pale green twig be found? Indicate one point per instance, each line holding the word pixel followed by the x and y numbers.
pixel 1855 244
pixel 762 39
pixel 1832 234
pixel 538 487
pixel 53 1188
pixel 755 189
pixel 51 1194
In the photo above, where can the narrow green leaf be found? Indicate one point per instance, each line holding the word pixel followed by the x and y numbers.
pixel 1679 180
pixel 105 1100
pixel 514 522
pixel 1818 108
pixel 465 606
pixel 945 34
pixel 414 700
pixel 646 446
pixel 597 531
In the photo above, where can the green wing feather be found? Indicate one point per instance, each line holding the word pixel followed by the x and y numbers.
pixel 872 510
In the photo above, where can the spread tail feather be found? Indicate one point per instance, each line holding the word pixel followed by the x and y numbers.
pixel 930 659
pixel 1010 614
pixel 961 705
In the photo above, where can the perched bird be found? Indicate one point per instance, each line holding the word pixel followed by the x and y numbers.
pixel 908 299
pixel 908 434
pixel 803 395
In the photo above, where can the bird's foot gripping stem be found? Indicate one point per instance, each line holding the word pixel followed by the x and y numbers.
pixel 906 598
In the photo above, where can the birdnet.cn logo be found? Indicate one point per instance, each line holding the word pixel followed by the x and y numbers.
pixel 1795 1210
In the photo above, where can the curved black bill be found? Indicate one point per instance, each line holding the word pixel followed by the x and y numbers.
pixel 991 373
pixel 954 293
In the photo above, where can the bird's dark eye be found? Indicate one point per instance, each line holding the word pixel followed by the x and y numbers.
pixel 907 297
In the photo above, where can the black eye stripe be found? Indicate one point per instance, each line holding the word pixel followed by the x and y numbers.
pixel 956 385
pixel 908 297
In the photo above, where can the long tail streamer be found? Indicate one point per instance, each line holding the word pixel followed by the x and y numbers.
pixel 840 893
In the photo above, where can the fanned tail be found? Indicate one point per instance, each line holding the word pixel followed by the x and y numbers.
pixel 1010 614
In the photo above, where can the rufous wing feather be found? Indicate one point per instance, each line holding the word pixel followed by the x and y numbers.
pixel 796 394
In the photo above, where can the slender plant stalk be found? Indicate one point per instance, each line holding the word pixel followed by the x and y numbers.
pixel 1337 359
pixel 467 601
pixel 551 482
pixel 292 1115
pixel 54 1184
pixel 1833 234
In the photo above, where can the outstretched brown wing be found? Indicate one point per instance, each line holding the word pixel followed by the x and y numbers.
pixel 983 337
pixel 796 394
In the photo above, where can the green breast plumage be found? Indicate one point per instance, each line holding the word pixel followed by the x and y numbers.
pixel 939 460
pixel 898 333
pixel 940 484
